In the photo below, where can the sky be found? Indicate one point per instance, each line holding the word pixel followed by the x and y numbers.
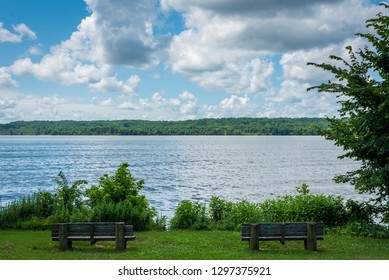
pixel 172 59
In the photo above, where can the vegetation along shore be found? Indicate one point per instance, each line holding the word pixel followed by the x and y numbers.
pixel 225 126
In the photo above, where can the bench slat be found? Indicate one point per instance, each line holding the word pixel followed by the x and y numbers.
pixel 93 232
pixel 274 229
pixel 281 232
pixel 99 229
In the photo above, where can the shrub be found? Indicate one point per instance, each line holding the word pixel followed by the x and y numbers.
pixel 190 215
pixel 160 223
pixel 360 212
pixel 305 207
pixel 240 212
pixel 114 189
pixel 116 198
pixel 136 212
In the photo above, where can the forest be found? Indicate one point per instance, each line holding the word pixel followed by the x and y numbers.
pixel 223 126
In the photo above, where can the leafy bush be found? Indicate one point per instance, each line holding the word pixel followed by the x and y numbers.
pixel 68 198
pixel 133 212
pixel 305 208
pixel 232 214
pixel 160 223
pixel 190 215
pixel 114 189
pixel 360 212
pixel 116 198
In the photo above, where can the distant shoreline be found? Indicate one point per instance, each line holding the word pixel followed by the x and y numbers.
pixel 199 127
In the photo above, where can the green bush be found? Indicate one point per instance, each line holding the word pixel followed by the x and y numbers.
pixel 190 215
pixel 306 207
pixel 31 212
pixel 116 198
pixel 160 223
pixel 303 207
pixel 116 188
pixel 133 212
pixel 360 212
pixel 236 213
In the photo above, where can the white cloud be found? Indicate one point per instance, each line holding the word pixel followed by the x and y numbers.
pixel 74 61
pixel 124 31
pixel 107 102
pixel 24 31
pixel 53 100
pixel 6 103
pixel 35 50
pixel 116 33
pixel 234 106
pixel 21 30
pixel 6 79
pixel 227 45
pixel 127 106
pixel 292 95
pixel 112 84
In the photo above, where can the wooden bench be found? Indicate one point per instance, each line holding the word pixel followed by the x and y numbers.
pixel 307 232
pixel 65 233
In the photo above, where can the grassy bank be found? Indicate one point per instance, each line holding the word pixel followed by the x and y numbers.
pixel 191 245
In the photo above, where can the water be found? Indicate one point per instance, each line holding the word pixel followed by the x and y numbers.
pixel 177 167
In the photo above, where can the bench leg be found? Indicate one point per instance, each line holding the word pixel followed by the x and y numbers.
pixel 254 242
pixel 64 242
pixel 311 243
pixel 120 242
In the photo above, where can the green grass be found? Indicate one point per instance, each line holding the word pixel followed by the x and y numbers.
pixel 189 245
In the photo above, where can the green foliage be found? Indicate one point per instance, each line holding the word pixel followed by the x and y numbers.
pixel 160 223
pixel 114 189
pixel 190 215
pixel 224 126
pixel 136 213
pixel 236 213
pixel 68 198
pixel 45 204
pixel 360 212
pixel 362 85
pixel 116 198
pixel 305 208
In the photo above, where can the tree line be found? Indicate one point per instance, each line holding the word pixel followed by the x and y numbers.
pixel 223 126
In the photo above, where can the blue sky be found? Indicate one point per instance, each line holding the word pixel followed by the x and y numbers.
pixel 171 59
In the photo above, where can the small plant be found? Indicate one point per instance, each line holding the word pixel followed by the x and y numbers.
pixel 217 208
pixel 303 189
pixel 160 223
pixel 69 198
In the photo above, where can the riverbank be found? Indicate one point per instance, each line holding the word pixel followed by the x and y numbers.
pixel 189 245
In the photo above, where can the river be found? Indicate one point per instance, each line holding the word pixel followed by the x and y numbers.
pixel 174 168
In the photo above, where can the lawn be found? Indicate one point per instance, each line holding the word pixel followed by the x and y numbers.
pixel 189 245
